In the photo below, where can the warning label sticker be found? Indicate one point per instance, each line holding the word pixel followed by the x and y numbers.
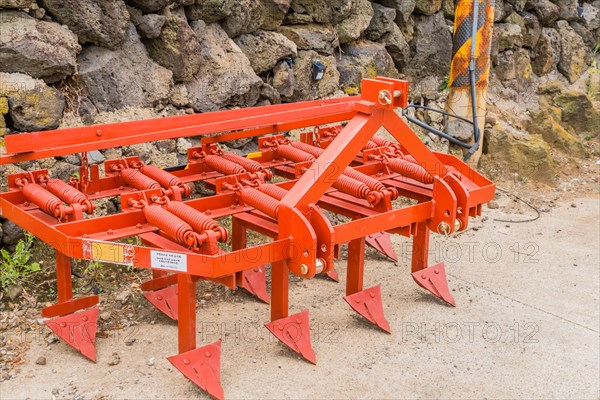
pixel 114 253
pixel 170 261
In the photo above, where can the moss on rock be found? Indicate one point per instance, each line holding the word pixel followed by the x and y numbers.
pixel 544 124
pixel 510 152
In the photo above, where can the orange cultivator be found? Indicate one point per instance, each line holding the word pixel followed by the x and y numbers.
pixel 344 169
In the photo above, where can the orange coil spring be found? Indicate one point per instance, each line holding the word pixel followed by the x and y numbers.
pixel 44 199
pixel 136 179
pixel 351 186
pixel 274 191
pixel 410 170
pixel 294 154
pixel 261 201
pixel 197 220
pixel 174 227
pixel 223 166
pixel 410 159
pixel 165 179
pixel 248 165
pixel 370 145
pixel 307 148
pixel 381 142
pixel 66 192
pixel 372 183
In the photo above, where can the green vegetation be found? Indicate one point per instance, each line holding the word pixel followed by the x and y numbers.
pixel 15 267
pixel 94 270
pixel 445 85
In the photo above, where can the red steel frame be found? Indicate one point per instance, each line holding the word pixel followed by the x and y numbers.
pixel 447 192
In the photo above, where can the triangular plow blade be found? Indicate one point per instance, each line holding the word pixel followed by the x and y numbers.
pixel 173 305
pixel 158 283
pixel 165 300
pixel 203 367
pixel 382 242
pixel 333 275
pixel 368 304
pixel 294 332
pixel 434 279
pixel 254 281
pixel 78 330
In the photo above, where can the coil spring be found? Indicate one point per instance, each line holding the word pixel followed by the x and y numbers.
pixel 410 170
pixel 164 178
pixel 274 191
pixel 44 200
pixel 248 165
pixel 65 192
pixel 294 154
pixel 136 179
pixel 197 220
pixel 372 183
pixel 222 165
pixel 410 159
pixel 370 145
pixel 170 224
pixel 307 148
pixel 351 186
pixel 380 142
pixel 261 201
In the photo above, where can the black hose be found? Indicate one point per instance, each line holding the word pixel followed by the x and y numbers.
pixel 472 69
pixel 437 132
pixel 439 112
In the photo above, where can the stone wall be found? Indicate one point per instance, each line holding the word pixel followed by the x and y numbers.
pixel 198 55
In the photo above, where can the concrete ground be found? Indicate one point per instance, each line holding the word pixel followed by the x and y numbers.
pixel 526 326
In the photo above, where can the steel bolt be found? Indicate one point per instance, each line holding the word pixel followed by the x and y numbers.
pixel 84 318
pixel 256 269
pixel 98 132
pixel 186 361
pixel 159 298
pixel 298 321
pixel 208 212
pixel 304 269
pixel 385 97
pixel 357 300
pixel 372 294
pixel 26 204
pixel 207 354
pixel 443 228
pixel 62 324
pixel 436 271
pixel 423 276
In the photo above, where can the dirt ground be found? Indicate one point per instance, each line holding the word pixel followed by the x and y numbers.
pixel 526 326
